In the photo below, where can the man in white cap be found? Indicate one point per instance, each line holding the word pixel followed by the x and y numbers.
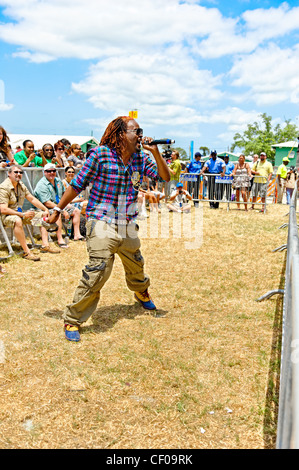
pixel 282 173
pixel 49 191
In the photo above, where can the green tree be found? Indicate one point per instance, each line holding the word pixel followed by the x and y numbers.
pixel 259 138
pixel 205 151
pixel 288 132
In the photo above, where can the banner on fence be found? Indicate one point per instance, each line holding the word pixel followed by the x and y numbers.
pixel 189 177
pixel 224 179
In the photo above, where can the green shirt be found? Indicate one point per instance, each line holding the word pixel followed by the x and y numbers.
pixel 45 191
pixel 20 158
pixel 175 166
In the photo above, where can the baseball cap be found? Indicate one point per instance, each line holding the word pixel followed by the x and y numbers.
pixel 214 151
pixel 198 154
pixel 49 166
pixel 285 159
pixel 262 153
pixel 179 185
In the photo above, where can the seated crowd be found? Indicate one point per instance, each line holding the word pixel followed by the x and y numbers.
pixel 245 178
pixel 47 193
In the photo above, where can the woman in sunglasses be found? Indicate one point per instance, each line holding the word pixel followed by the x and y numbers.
pixel 74 159
pixel 48 152
pixel 79 201
pixel 59 150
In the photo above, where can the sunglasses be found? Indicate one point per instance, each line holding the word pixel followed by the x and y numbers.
pixel 138 131
pixel 18 172
pixel 60 148
pixel 70 172
pixel 50 171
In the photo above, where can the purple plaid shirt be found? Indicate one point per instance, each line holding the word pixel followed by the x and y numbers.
pixel 113 186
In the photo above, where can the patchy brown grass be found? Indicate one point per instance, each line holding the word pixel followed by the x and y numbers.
pixel 202 375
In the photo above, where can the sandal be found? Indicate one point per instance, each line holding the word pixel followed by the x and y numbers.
pixel 62 245
pixel 31 257
pixel 82 239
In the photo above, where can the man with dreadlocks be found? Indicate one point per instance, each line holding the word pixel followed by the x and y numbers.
pixel 114 171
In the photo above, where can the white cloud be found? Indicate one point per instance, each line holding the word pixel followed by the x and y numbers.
pixel 87 29
pixel 149 55
pixel 272 22
pixel 271 75
pixel 165 86
pixel 6 107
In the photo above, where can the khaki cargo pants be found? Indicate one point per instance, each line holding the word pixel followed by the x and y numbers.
pixel 103 242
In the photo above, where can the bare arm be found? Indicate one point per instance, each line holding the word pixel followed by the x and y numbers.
pixel 67 197
pixel 35 202
pixel 4 209
pixel 235 169
pixel 203 170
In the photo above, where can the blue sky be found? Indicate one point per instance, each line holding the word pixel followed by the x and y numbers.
pixel 195 70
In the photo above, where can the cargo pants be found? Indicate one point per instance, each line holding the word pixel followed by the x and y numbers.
pixel 103 241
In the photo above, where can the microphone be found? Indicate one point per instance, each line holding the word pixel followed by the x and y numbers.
pixel 161 141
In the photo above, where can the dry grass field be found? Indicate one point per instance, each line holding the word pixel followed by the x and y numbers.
pixel 201 374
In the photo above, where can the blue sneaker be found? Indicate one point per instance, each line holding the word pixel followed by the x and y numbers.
pixel 145 300
pixel 71 332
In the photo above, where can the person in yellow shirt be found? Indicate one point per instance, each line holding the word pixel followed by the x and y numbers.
pixel 263 170
pixel 282 173
pixel 175 170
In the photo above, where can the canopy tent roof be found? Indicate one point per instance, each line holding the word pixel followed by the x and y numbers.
pixel 40 140
pixel 289 144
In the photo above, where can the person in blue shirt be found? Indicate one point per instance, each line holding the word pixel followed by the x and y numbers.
pixel 214 166
pixel 229 168
pixel 195 167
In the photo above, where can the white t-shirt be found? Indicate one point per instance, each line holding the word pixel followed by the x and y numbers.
pixel 180 199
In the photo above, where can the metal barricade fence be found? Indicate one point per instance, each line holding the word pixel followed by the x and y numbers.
pixel 215 189
pixel 30 178
pixel 288 409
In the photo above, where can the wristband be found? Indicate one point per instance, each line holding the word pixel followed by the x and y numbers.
pixel 56 208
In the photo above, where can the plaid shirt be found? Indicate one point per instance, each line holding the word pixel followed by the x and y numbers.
pixel 113 186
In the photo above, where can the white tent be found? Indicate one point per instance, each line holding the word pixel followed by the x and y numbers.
pixel 40 140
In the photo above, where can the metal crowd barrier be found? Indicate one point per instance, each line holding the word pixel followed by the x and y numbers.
pixel 288 409
pixel 201 188
pixel 30 178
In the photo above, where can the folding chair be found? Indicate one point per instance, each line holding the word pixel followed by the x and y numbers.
pixel 9 243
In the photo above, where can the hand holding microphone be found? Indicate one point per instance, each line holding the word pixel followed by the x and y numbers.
pixel 147 141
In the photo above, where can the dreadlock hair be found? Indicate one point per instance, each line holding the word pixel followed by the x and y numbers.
pixel 112 135
pixel 5 140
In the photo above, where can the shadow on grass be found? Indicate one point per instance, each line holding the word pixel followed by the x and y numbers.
pixel 272 394
pixel 104 318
